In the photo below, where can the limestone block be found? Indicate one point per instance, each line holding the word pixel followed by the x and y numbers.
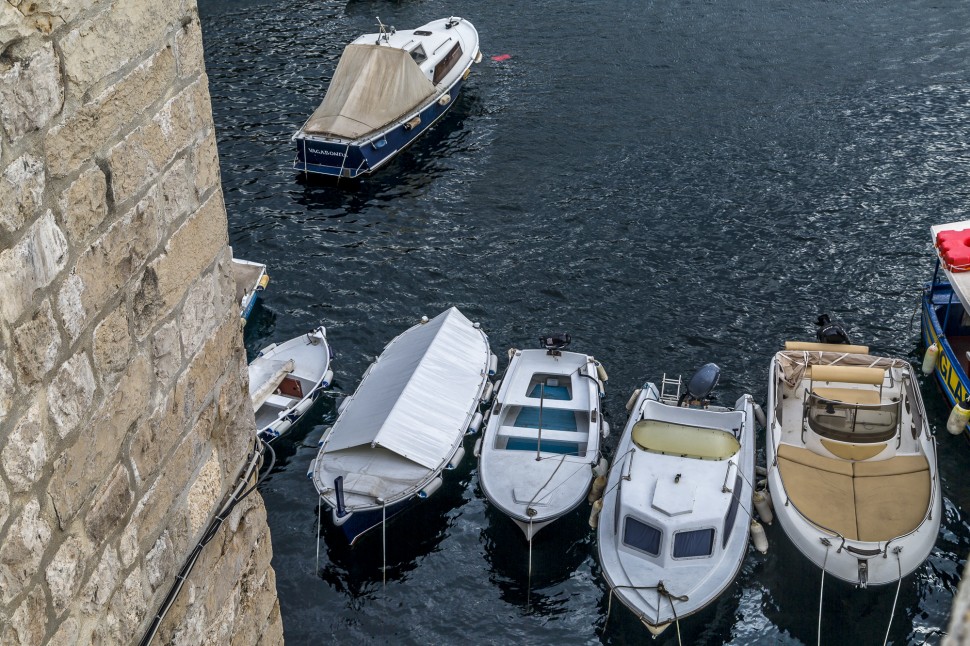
pixel 55 12
pixel 112 344
pixel 130 604
pixel 84 205
pixel 198 318
pixel 35 346
pixel 71 394
pixel 167 354
pixel 209 365
pixel 29 622
pixel 178 199
pixel 110 505
pixel 101 584
pixel 110 263
pixel 204 495
pixel 190 250
pixel 14 25
pixel 111 40
pixel 115 111
pixel 30 87
pixel 160 562
pixel 25 453
pixel 21 190
pixel 153 438
pixel 29 265
pixel 22 550
pixel 144 153
pixel 188 47
pixel 69 632
pixel 205 158
pixel 80 468
pixel 8 389
pixel 4 504
pixel 65 572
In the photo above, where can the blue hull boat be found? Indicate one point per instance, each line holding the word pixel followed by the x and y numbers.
pixel 388 89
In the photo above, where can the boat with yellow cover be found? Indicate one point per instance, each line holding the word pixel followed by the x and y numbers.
pixel 675 516
pixel 852 466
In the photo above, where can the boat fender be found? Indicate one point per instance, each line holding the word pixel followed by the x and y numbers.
pixel 323 437
pixel 959 417
pixel 430 488
pixel 309 473
pixel 601 372
pixel 475 424
pixel 633 400
pixel 456 458
pixel 342 406
pixel 929 359
pixel 594 513
pixel 444 100
pixel 596 489
pixel 492 365
pixel 477 451
pixel 759 415
pixel 758 537
pixel 265 350
pixel 760 470
pixel 498 384
pixel 604 428
pixel 339 510
pixel 487 393
pixel 763 504
pixel 602 468
pixel 413 123
pixel 263 282
pixel 327 378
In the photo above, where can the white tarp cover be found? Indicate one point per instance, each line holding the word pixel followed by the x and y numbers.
pixel 372 86
pixel 418 396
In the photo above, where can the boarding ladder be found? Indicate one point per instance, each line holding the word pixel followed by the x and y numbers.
pixel 670 390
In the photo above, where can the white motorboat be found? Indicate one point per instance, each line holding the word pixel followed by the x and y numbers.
pixel 251 279
pixel 676 511
pixel 852 466
pixel 285 379
pixel 387 90
pixel 542 440
pixel 405 423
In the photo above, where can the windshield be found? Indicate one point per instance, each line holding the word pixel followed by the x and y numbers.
pixel 848 422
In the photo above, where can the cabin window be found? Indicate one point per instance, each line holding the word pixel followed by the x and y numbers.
pixel 418 55
pixel 641 536
pixel 692 544
pixel 732 511
pixel 422 32
pixel 442 68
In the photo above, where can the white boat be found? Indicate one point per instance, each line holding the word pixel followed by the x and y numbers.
pixel 387 90
pixel 285 379
pixel 542 440
pixel 852 466
pixel 676 512
pixel 405 423
pixel 251 279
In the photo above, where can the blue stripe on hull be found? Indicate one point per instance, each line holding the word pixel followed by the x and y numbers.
pixel 325 158
pixel 949 374
pixel 361 522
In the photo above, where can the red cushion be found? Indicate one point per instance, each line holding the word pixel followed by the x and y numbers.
pixel 954 249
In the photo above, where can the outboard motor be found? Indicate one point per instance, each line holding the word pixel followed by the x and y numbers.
pixel 701 385
pixel 829 332
pixel 554 343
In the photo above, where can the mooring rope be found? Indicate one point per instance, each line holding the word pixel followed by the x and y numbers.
pixel 384 542
pixel 528 581
pixel 661 592
pixel 821 590
pixel 319 514
pixel 899 583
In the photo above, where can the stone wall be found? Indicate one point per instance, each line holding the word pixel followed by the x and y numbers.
pixel 124 410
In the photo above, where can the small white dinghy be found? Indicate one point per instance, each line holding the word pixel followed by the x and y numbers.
pixel 405 423
pixel 852 465
pixel 285 379
pixel 542 440
pixel 251 279
pixel 676 512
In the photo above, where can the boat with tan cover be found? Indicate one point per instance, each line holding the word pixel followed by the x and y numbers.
pixel 852 466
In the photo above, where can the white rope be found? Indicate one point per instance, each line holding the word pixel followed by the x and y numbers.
pixel 822 590
pixel 528 585
pixel 319 512
pixel 384 542
pixel 896 598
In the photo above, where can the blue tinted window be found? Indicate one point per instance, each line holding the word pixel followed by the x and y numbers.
pixel 732 512
pixel 642 537
pixel 699 542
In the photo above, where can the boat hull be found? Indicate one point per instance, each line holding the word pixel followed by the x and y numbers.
pixel 939 298
pixel 354 159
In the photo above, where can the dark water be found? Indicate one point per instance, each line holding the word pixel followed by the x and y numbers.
pixel 671 181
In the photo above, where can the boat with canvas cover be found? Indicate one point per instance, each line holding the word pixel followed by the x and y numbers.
pixel 675 516
pixel 251 279
pixel 285 379
pixel 852 464
pixel 405 423
pixel 542 440
pixel 387 90
pixel 945 324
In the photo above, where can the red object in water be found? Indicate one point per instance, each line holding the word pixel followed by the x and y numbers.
pixel 954 249
pixel 501 57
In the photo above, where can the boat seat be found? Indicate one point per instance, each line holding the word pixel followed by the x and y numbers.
pixel 849 395
pixel 555 419
pixel 280 401
pixel 811 346
pixel 547 434
pixel 866 501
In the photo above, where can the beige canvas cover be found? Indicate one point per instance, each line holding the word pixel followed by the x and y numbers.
pixel 371 87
